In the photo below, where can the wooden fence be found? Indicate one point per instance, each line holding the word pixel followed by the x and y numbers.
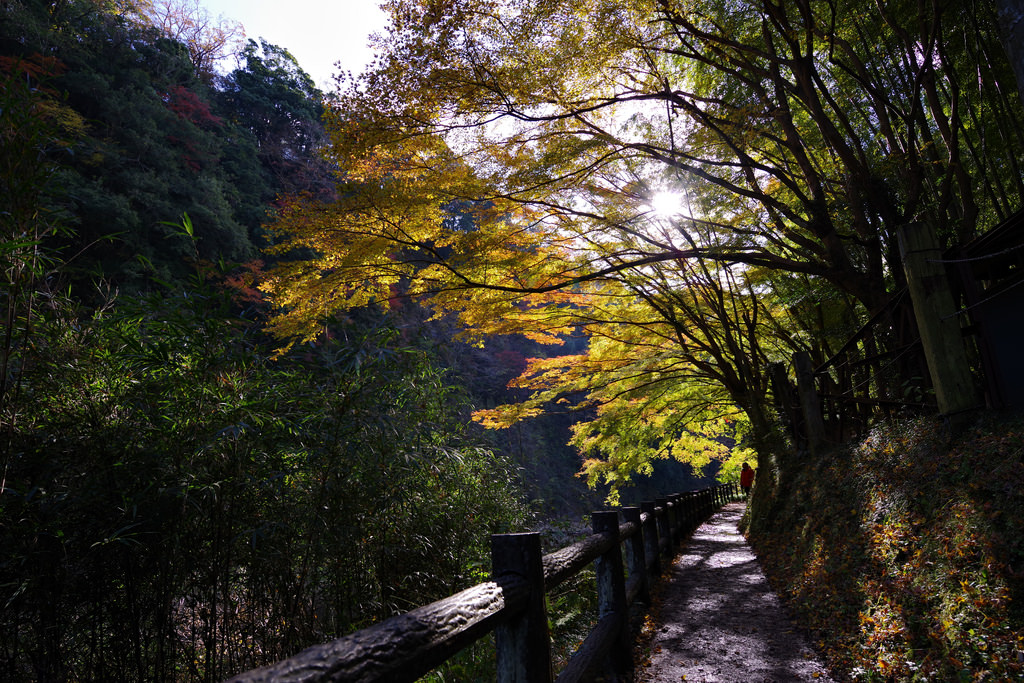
pixel 512 605
pixel 911 353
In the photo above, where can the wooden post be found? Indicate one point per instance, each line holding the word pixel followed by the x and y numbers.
pixel 664 526
pixel 636 561
pixel 611 591
pixel 937 321
pixel 810 404
pixel 782 390
pixel 523 642
pixel 651 553
pixel 677 520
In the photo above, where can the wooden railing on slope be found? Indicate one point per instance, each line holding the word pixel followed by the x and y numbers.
pixel 408 646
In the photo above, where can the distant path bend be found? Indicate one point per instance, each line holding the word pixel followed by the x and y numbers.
pixel 720 622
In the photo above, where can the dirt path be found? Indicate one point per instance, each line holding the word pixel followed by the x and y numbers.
pixel 720 622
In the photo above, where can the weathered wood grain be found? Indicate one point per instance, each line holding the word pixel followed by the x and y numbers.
pixel 404 647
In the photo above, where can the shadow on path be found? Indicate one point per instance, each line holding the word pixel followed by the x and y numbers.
pixel 720 620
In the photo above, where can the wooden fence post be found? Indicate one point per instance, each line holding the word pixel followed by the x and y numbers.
pixel 653 556
pixel 636 560
pixel 810 404
pixel 937 321
pixel 676 520
pixel 523 642
pixel 783 391
pixel 611 590
pixel 664 527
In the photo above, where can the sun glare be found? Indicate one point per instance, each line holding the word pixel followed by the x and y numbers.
pixel 666 204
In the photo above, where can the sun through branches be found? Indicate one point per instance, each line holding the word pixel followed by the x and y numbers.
pixel 509 162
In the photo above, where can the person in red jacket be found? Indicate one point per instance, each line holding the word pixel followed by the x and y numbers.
pixel 746 479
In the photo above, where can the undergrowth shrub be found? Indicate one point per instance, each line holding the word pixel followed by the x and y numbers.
pixel 177 506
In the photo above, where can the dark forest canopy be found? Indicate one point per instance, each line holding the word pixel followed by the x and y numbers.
pixel 154 135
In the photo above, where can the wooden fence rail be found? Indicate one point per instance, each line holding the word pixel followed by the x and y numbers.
pixel 408 646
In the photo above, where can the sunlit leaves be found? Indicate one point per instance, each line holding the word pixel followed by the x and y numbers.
pixel 641 391
pixel 501 158
pixel 405 215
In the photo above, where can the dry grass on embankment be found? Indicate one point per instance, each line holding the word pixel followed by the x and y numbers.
pixel 904 554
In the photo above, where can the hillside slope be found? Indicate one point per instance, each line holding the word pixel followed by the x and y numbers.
pixel 904 554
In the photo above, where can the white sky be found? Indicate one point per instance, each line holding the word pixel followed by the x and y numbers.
pixel 318 33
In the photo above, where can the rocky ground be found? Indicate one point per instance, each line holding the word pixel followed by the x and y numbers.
pixel 718 621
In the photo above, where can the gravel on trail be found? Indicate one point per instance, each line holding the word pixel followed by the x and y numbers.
pixel 719 620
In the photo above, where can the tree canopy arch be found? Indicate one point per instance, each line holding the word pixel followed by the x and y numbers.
pixel 803 133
